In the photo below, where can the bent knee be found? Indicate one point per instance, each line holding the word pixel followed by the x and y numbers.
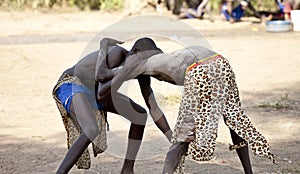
pixel 141 110
pixel 137 107
pixel 139 119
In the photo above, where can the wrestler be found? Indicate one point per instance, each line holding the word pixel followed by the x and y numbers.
pixel 85 118
pixel 210 91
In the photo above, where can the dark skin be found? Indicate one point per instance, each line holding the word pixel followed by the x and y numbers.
pixel 171 68
pixel 172 158
pixel 105 73
pixel 99 66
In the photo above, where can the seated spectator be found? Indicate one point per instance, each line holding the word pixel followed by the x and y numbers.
pixel 237 13
pixel 290 5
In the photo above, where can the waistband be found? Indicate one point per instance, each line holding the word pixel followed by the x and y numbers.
pixel 203 61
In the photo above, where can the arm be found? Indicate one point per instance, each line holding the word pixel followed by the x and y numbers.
pixel 105 88
pixel 155 112
pixel 103 72
pixel 121 74
pixel 133 66
pixel 200 7
pixel 256 14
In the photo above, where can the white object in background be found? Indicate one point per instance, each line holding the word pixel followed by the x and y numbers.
pixel 295 19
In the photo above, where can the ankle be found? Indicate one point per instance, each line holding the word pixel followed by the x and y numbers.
pixel 128 167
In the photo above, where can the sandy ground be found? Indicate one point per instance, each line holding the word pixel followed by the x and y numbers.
pixel 36 47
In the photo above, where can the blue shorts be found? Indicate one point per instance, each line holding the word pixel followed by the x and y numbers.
pixel 66 92
pixel 237 13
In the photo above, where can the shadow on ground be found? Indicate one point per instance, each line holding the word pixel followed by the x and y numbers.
pixel 280 126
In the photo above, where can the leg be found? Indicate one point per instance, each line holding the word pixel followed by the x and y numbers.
pixel 137 115
pixel 240 125
pixel 177 6
pixel 183 14
pixel 243 130
pixel 135 137
pixel 229 5
pixel 256 14
pixel 184 131
pixel 236 139
pixel 174 155
pixel 82 112
pixel 124 106
pixel 168 5
pixel 74 153
pixel 242 152
pixel 208 11
pixel 164 128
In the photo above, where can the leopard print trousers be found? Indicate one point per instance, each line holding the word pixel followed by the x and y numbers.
pixel 210 91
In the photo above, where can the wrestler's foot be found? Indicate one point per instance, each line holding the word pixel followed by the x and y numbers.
pixel 127 171
pixel 128 167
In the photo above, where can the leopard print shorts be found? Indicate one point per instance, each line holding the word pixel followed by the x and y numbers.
pixel 210 91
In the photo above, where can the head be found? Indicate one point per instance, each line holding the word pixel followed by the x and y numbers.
pixel 244 4
pixel 116 56
pixel 144 44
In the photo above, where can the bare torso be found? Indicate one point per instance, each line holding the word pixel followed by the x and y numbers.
pixel 86 67
pixel 169 67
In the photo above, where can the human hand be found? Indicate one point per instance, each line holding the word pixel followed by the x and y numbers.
pixel 110 42
pixel 103 91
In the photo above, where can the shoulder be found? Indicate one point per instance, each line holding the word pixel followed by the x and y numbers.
pixel 89 57
pixel 88 61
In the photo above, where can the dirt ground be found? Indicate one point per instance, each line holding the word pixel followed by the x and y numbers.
pixel 36 47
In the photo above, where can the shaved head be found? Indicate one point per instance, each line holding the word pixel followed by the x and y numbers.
pixel 116 56
pixel 143 44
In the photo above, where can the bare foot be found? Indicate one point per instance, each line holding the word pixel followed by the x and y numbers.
pixel 128 167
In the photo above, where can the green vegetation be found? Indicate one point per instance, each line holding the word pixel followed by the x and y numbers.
pixel 264 5
pixel 276 105
pixel 282 103
pixel 172 99
pixel 111 4
pixel 48 4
